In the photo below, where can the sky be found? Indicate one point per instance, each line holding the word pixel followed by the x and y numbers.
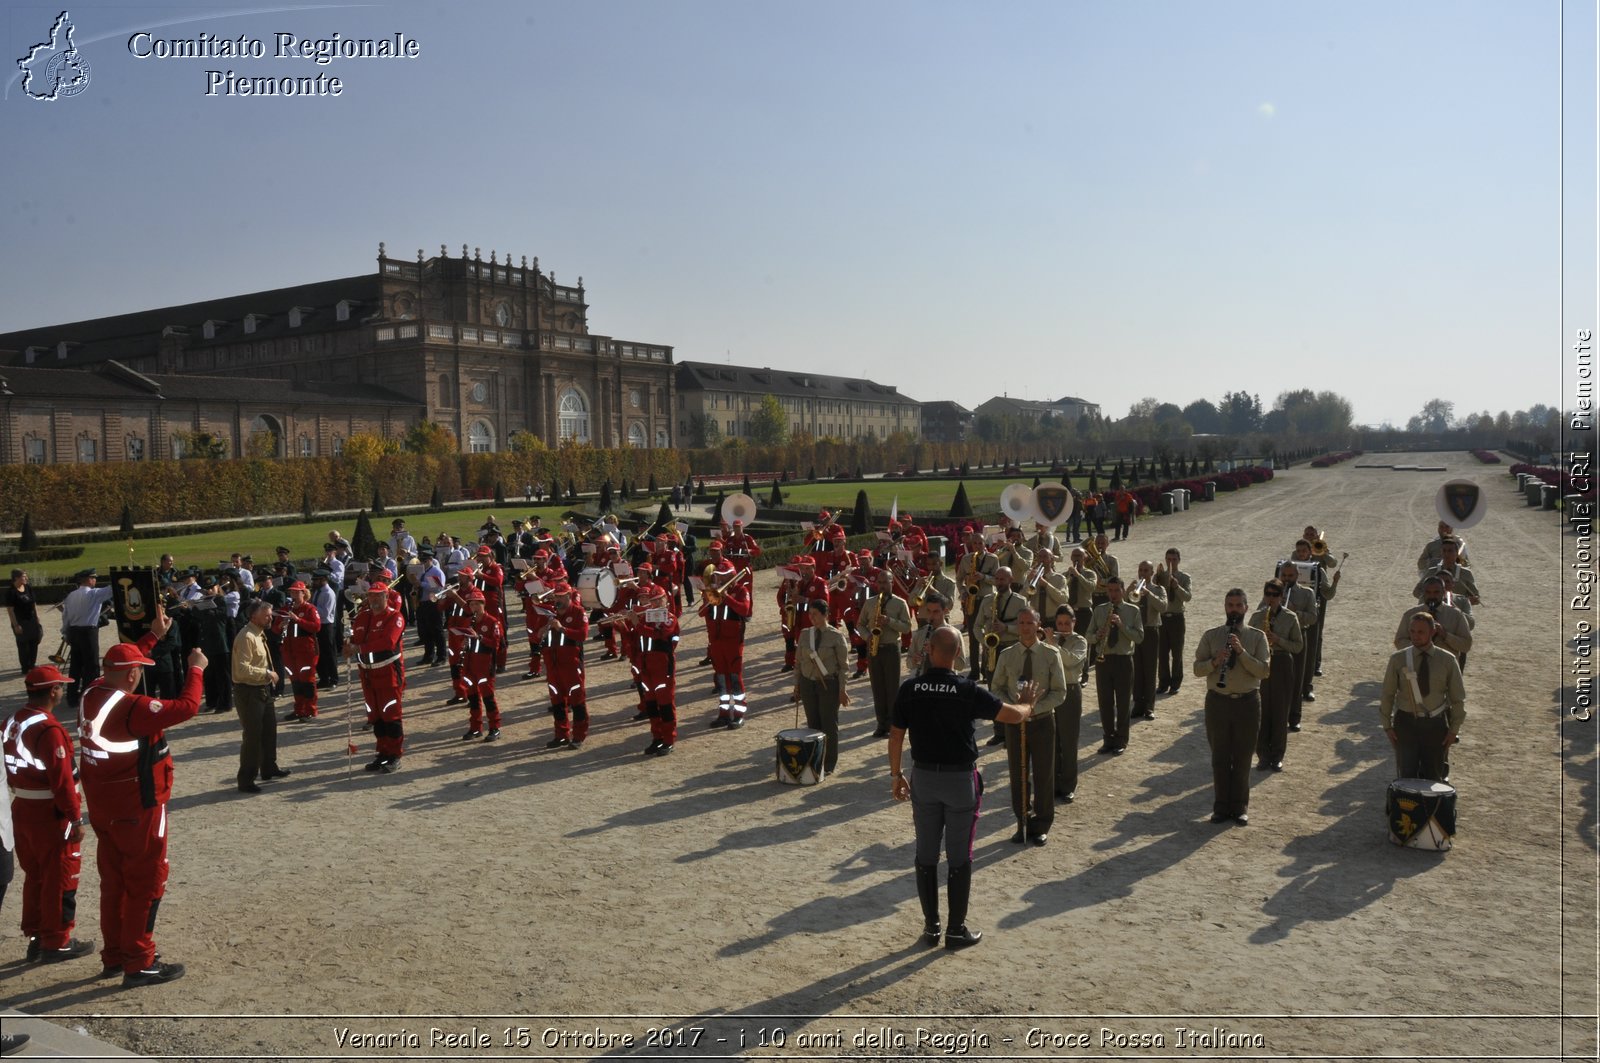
pixel 1107 200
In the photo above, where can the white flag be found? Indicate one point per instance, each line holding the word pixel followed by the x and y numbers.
pixel 894 509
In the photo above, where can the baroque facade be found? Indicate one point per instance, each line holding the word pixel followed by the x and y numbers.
pixel 825 407
pixel 485 347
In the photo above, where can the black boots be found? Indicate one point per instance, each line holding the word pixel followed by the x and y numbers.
pixel 960 887
pixel 928 894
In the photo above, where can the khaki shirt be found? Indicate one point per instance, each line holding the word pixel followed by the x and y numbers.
pixel 919 662
pixel 1464 583
pixel 821 653
pixel 1245 674
pixel 1285 625
pixel 1010 607
pixel 1017 557
pixel 1154 604
pixel 1445 690
pixel 1074 651
pixel 252 662
pixel 1048 596
pixel 1048 677
pixel 1081 584
pixel 1457 634
pixel 1432 555
pixel 1108 563
pixel 1100 622
pixel 946 588
pixel 1178 588
pixel 896 616
pixel 1304 604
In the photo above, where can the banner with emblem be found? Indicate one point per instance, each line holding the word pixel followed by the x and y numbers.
pixel 1460 503
pixel 1053 504
pixel 133 601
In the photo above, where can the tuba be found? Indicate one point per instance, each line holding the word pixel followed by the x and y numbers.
pixel 740 507
pixel 1091 550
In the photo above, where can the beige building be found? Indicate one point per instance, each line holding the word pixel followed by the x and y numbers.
pixel 846 408
pixel 485 347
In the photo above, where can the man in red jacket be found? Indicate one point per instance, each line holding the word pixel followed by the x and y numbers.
pixel 47 817
pixel 490 578
pixel 127 780
pixel 726 609
pixel 375 643
pixel 483 639
pixel 563 652
pixel 657 631
pixel 297 625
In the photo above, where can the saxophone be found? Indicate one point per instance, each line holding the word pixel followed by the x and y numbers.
pixel 789 611
pixel 877 627
pixel 991 651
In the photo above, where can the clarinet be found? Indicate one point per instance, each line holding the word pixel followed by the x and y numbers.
pixel 1222 673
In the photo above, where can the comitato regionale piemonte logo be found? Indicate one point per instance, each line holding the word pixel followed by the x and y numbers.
pixel 54 69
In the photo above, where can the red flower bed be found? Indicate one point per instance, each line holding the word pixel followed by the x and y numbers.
pixel 1568 484
pixel 1488 457
pixel 1333 459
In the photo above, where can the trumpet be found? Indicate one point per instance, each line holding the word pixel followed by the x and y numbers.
pixel 922 592
pixel 626 616
pixel 1035 576
pixel 1135 593
pixel 842 580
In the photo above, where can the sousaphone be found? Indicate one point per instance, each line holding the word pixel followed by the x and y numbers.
pixel 739 507
pixel 1016 502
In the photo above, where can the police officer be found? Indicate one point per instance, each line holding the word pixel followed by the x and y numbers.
pixel 939 708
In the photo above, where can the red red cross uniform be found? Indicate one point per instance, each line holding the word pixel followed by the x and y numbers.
pixel 742 550
pixel 533 618
pixel 376 635
pixel 456 616
pixel 490 579
pixel 793 599
pixel 563 649
pixel 127 779
pixel 658 645
pixel 297 626
pixel 44 811
pixel 483 639
pixel 725 640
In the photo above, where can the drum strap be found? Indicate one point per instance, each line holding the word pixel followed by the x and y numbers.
pixel 1411 678
pixel 811 648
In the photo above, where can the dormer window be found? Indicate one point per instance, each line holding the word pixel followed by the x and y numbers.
pixel 342 310
pixel 251 320
pixel 297 314
pixel 31 355
pixel 209 329
pixel 62 348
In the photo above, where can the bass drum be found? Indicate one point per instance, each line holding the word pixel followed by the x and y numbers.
pixel 597 587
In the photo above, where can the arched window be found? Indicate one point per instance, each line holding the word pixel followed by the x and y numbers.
pixel 573 416
pixel 636 435
pixel 266 438
pixel 480 438
pixel 447 397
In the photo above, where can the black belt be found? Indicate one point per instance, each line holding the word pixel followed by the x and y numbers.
pixel 924 766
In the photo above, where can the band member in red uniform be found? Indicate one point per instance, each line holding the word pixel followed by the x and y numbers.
pixel 742 549
pixel 563 650
pixel 818 543
pixel 376 635
pixel 484 637
pixel 127 780
pixel 489 577
pixel 657 631
pixel 47 818
pixel 667 560
pixel 860 587
pixel 534 615
pixel 726 609
pixel 456 617
pixel 619 628
pixel 297 625
pixel 794 596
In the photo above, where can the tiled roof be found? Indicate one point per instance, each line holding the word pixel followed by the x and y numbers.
pixel 710 376
pixel 113 380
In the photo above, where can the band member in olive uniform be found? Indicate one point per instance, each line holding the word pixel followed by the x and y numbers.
pixel 1153 601
pixel 884 619
pixel 127 780
pixel 1317 581
pixel 47 818
pixel 1433 554
pixel 297 624
pixel 1450 627
pixel 564 636
pixel 994 628
pixel 1303 603
pixel 483 640
pixel 1026 661
pixel 1115 628
pixel 1233 659
pixel 1282 628
pixel 821 664
pixel 1179 589
pixel 1074 650
pixel 657 630
pixel 375 640
pixel 939 709
pixel 935 615
pixel 1423 705
pixel 726 608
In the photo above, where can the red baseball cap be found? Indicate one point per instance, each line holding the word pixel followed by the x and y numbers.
pixel 44 676
pixel 484 551
pixel 474 595
pixel 297 586
pixel 125 655
pixel 716 544
pixel 379 587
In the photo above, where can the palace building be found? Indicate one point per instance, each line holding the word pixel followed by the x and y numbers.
pixel 487 348
pixel 836 407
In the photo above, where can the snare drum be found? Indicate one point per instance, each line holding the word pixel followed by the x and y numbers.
pixel 800 752
pixel 1422 813
pixel 597 587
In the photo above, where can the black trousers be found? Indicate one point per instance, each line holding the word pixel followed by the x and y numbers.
pixel 328 654
pixel 1232 726
pixel 431 621
pixel 28 640
pixel 1113 687
pixel 1419 751
pixel 83 643
pixel 1308 660
pixel 1145 656
pixel 1171 664
pixel 1069 724
pixel 1041 770
pixel 1278 693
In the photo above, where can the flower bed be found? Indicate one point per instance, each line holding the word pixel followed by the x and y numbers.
pixel 1327 460
pixel 1566 482
pixel 1488 457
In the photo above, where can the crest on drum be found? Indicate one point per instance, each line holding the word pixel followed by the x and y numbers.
pixel 1460 504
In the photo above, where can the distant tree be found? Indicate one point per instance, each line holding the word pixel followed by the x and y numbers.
pixel 1240 412
pixel 959 506
pixel 1066 480
pixel 1437 416
pixel 716 507
pixel 664 517
pixel 306 512
pixel 1036 481
pixel 769 425
pixel 363 544
pixel 747 488
pixel 605 497
pixel 572 492
pixel 202 445
pixel 861 519
pixel 377 502
pixel 430 438
pixel 1203 416
pixel 436 500
pixel 626 492
pixel 652 489
pixel 1094 480
pixel 704 431
pixel 126 527
pixel 777 496
pixel 499 493
pixel 29 539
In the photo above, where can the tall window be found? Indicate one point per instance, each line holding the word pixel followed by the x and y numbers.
pixel 88 449
pixel 305 445
pixel 636 435
pixel 33 448
pixel 337 443
pixel 447 397
pixel 480 439
pixel 573 416
pixel 661 438
pixel 135 448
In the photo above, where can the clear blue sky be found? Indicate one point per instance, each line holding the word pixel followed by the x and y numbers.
pixel 1110 200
